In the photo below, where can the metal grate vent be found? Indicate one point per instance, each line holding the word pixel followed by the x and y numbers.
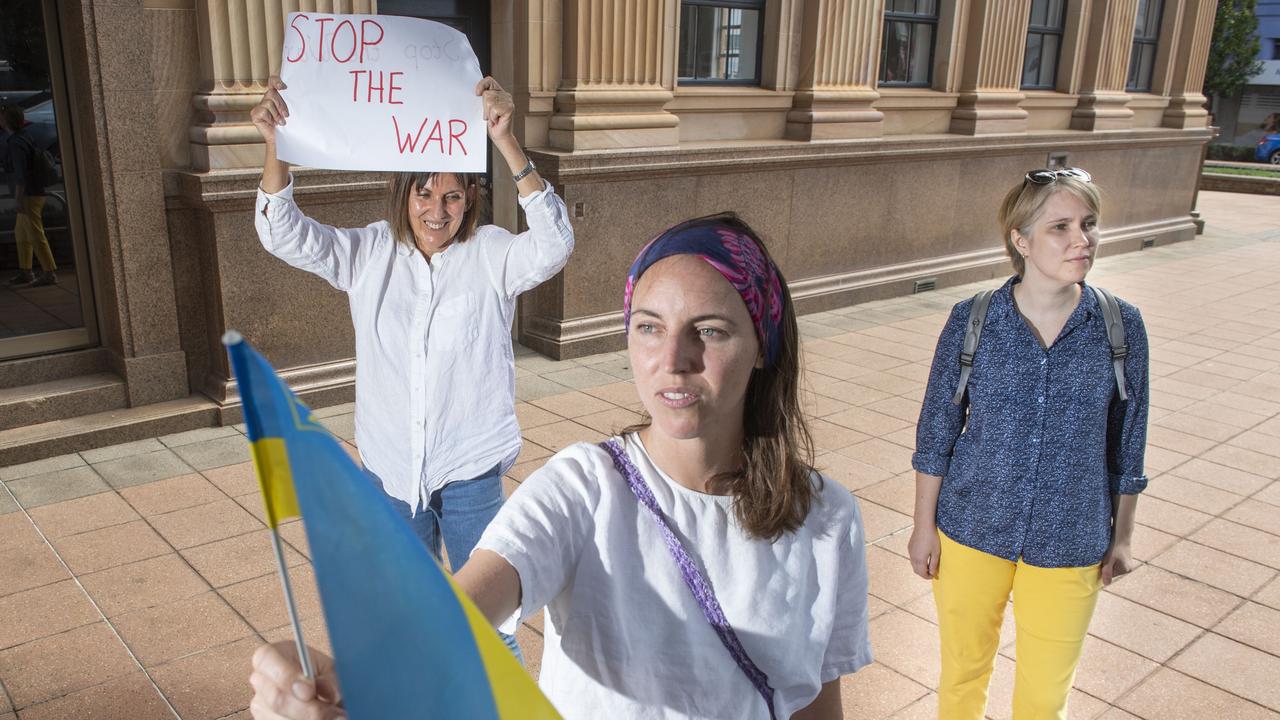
pixel 925 285
pixel 1148 242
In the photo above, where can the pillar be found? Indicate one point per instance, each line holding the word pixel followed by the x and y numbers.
pixel 1108 43
pixel 839 52
pixel 991 72
pixel 1186 100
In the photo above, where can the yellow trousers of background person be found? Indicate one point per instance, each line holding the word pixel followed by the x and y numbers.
pixel 28 231
pixel 1052 607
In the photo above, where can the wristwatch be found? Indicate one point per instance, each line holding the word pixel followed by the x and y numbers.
pixel 525 172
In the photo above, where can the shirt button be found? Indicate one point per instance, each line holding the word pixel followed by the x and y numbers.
pixel 1044 361
pixel 1040 399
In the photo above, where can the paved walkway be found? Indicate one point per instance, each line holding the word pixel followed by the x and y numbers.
pixel 136 580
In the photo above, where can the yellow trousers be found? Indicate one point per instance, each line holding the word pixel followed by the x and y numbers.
pixel 1052 608
pixel 28 232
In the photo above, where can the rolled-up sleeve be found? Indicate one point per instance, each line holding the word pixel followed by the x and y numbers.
pixel 941 421
pixel 1127 420
pixel 332 253
pixel 532 257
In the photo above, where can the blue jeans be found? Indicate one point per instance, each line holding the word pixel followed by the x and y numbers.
pixel 458 512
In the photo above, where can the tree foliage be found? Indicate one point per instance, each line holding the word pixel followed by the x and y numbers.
pixel 1234 50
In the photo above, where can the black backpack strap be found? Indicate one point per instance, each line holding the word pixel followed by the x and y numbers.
pixel 1115 335
pixel 972 333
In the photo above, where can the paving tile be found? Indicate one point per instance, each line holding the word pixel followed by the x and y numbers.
pixel 868 422
pixel 1191 494
pixel 138 469
pixel 850 392
pixel 205 523
pixel 260 601
pixel 40 467
pixel 926 708
pixel 314 633
pixel 875 691
pixel 210 684
pixel 1171 439
pixel 177 629
pixel 239 558
pixel 816 406
pixel 609 422
pixel 164 496
pixel 1258 442
pixel 830 436
pixel 1221 476
pixel 39 671
pixel 1148 542
pixel 1233 667
pixel 533 387
pixel 891 578
pixel 1269 595
pixel 908 645
pixel 1183 598
pixel 1227 572
pixel 1255 625
pixel 880 453
pixel 879 521
pixel 1171 695
pixel 84 514
pixel 198 435
pixel 1240 540
pixel 113 452
pixel 234 480
pixel 143 584
pixel 1270 494
pixel 896 493
pixel 29 566
pixel 110 546
pixel 560 435
pixel 129 697
pixel 33 491
pixel 216 453
pixel 341 426
pixel 531 644
pixel 1169 517
pixel 1107 670
pixel 532 416
pixel 7 504
pixel 1256 514
pixel 580 377
pixel 1244 459
pixel 16 531
pixel 571 404
pixel 530 451
pixel 853 474
pixel 1141 629
pixel 622 394
pixel 44 611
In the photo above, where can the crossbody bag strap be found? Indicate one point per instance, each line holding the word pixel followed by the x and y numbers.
pixel 693 577
pixel 1115 335
pixel 972 334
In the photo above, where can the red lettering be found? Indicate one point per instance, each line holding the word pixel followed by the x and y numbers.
pixel 355 83
pixel 435 135
pixel 406 141
pixel 333 49
pixel 321 22
pixel 364 41
pixel 373 87
pixel 293 25
pixel 391 93
pixel 457 136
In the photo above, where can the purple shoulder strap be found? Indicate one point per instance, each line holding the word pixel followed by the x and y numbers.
pixel 698 585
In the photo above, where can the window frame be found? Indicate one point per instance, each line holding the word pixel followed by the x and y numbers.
pixel 1139 41
pixel 757 72
pixel 913 19
pixel 1042 30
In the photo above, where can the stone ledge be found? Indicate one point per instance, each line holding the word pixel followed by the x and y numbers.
pixel 1239 183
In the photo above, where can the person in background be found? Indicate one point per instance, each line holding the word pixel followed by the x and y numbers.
pixel 21 158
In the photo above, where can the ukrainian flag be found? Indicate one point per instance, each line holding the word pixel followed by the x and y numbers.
pixel 407 642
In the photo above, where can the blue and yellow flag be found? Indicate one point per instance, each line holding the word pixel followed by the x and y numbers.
pixel 407 642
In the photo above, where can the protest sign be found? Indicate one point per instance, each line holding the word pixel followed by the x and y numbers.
pixel 379 92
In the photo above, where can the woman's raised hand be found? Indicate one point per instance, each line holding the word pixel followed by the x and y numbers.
pixel 498 109
pixel 271 111
pixel 280 692
pixel 925 550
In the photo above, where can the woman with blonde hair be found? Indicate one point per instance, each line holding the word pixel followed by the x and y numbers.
pixel 1029 454
pixel 694 566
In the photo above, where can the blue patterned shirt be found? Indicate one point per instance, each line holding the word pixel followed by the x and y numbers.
pixel 1030 459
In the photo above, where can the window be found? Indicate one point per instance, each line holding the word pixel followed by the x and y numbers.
pixel 720 41
pixel 1044 42
pixel 1275 48
pixel 906 50
pixel 1146 33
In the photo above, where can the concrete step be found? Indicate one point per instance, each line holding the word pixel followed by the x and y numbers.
pixel 46 368
pixel 87 432
pixel 57 399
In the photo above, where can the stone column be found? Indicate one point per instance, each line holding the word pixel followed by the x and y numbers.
pixel 839 52
pixel 1186 101
pixel 539 27
pixel 240 44
pixel 991 73
pixel 1108 43
pixel 618 73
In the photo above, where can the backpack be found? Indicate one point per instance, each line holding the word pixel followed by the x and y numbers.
pixel 42 172
pixel 978 316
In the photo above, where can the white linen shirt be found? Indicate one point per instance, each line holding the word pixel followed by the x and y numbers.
pixel 624 636
pixel 435 373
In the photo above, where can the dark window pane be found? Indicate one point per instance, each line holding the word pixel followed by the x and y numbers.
pixel 897 47
pixel 688 40
pixel 718 43
pixel 1140 28
pixel 1153 18
pixel 903 6
pixel 1031 60
pixel 921 49
pixel 1049 61
pixel 1056 16
pixel 927 7
pixel 1039 12
pixel 1148 64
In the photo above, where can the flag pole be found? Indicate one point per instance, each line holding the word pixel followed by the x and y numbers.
pixel 304 656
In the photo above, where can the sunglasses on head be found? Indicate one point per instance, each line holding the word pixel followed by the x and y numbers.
pixel 1048 177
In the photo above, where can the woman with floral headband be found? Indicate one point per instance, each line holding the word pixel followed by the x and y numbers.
pixel 696 566
pixel 1029 454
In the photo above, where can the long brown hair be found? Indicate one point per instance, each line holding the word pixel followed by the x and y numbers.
pixel 776 486
pixel 400 185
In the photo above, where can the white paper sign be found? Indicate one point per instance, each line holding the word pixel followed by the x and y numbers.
pixel 380 92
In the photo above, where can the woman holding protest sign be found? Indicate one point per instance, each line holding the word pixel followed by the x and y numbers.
pixel 432 296
pixel 696 566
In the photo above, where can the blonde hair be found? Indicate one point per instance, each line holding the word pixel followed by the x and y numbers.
pixel 400 185
pixel 1024 203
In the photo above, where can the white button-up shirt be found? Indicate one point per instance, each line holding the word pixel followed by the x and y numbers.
pixel 435 373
